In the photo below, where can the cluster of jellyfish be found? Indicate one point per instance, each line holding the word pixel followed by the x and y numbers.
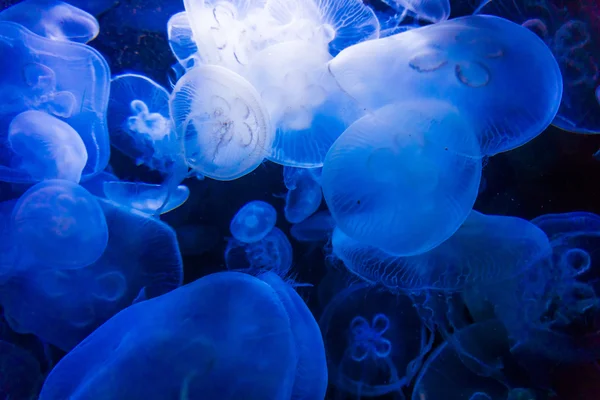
pixel 380 117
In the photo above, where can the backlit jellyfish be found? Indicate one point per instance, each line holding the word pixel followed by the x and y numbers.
pixel 67 80
pixel 202 340
pixel 474 62
pixel 572 31
pixel 181 40
pixel 403 178
pixel 317 227
pixel 485 250
pixel 304 199
pixel 253 221
pixel 63 307
pixel 45 147
pixel 54 20
pixel 139 123
pixel 375 341
pixel 271 253
pixel 307 108
pixel 145 197
pixel 60 225
pixel 21 377
pixel 222 121
pixel 428 10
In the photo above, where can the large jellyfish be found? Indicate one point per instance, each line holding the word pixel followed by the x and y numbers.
pixel 60 225
pixel 67 80
pixel 53 19
pixel 145 197
pixel 222 121
pixel 475 63
pixel 375 341
pixel 46 147
pixel 139 122
pixel 253 221
pixel 225 336
pixel 405 177
pixel 62 307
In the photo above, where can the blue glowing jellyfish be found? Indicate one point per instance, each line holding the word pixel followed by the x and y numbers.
pixel 405 177
pixel 475 63
pixel 253 221
pixel 54 20
pixel 317 227
pixel 428 10
pixel 145 197
pixel 59 224
pixel 181 40
pixel 67 80
pixel 304 199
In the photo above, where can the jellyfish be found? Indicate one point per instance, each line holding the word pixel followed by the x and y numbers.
pixel 428 10
pixel 21 377
pixel 271 253
pixel 95 185
pixel 45 147
pixel 60 225
pixel 67 80
pixel 139 122
pixel 474 62
pixel 145 197
pixel 181 40
pixel 318 227
pixel 54 20
pixel 202 340
pixel 63 307
pixel 485 250
pixel 403 178
pixel 253 221
pixel 225 128
pixel 375 341
pixel 304 199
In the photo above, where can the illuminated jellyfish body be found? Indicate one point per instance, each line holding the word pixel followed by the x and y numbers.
pixel 403 178
pixel 67 80
pixel 21 377
pixel 45 147
pixel 317 227
pixel 253 221
pixel 181 40
pixel 375 341
pixel 139 123
pixel 62 307
pixel 202 340
pixel 145 197
pixel 445 376
pixel 304 199
pixel 485 249
pixel 474 62
pixel 572 31
pixel 54 20
pixel 307 108
pixel 428 10
pixel 59 225
pixel 222 121
pixel 311 369
pixel 271 253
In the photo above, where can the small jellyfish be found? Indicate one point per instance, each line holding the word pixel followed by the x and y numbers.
pixel 54 20
pixel 45 147
pixel 145 197
pixel 304 199
pixel 318 227
pixel 139 122
pixel 181 40
pixel 428 10
pixel 225 128
pixel 253 221
pixel 405 177
pixel 60 224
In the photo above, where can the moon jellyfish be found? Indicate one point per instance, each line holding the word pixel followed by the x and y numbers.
pixel 145 197
pixel 403 178
pixel 54 20
pixel 253 221
pixel 485 250
pixel 67 80
pixel 307 108
pixel 317 227
pixel 304 199
pixel 224 126
pixel 21 377
pixel 181 40
pixel 475 63
pixel 45 147
pixel 271 253
pixel 63 307
pixel 139 122
pixel 202 340
pixel 60 224
pixel 428 10
pixel 375 341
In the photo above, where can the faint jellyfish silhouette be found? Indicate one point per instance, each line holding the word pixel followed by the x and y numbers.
pixel 428 10
pixel 253 221
pixel 304 198
pixel 145 197
pixel 317 227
